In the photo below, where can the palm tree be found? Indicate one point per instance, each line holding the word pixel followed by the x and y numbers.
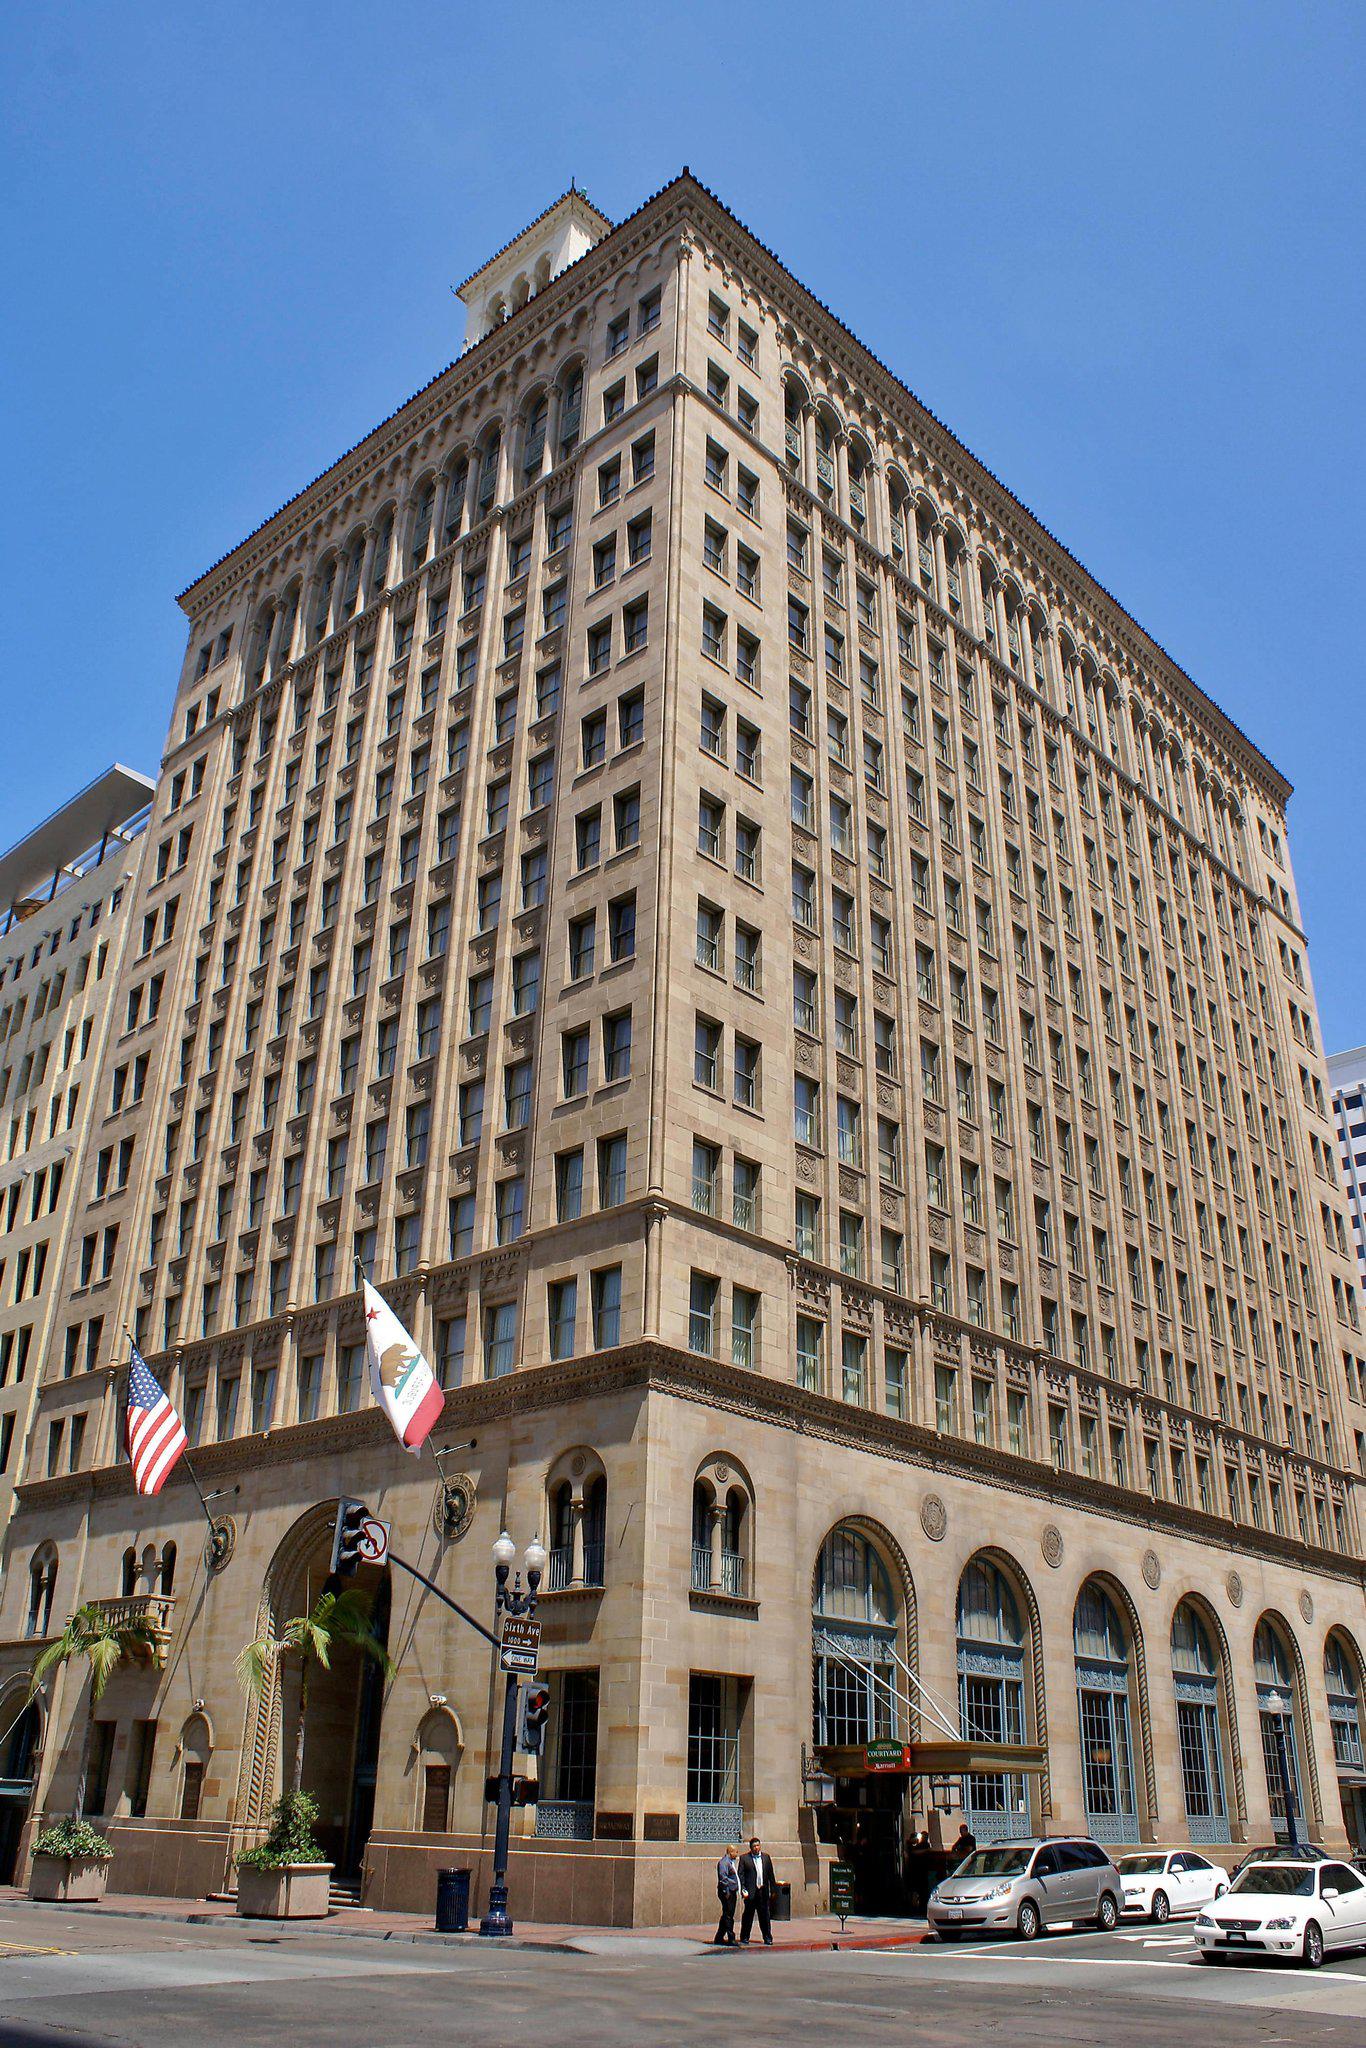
pixel 336 1621
pixel 103 1637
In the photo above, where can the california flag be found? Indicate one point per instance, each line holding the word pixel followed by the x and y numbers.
pixel 402 1381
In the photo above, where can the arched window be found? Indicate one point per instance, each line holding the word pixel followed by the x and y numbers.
pixel 1014 640
pixel 721 1543
pixel 1196 1682
pixel 42 1587
pixel 561 1565
pixel 166 1576
pixel 953 571
pixel 1101 1648
pixel 289 619
pixel 533 439
pixel 1342 1683
pixel 859 464
pixel 794 409
pixel 350 590
pixel 898 505
pixel 924 550
pixel 438 1748
pixel 827 437
pixel 486 488
pixel 594 1531
pixel 379 561
pixel 21 1743
pixel 855 1618
pixel 420 537
pixel 196 1748
pixel 1344 1703
pixel 986 578
pixel 258 647
pixel 320 612
pixel 129 1581
pixel 457 491
pixel 1038 651
pixel 577 1501
pixel 992 1703
pixel 570 419
pixel 1278 1711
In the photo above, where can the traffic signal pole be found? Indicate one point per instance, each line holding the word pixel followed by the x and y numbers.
pixel 496 1921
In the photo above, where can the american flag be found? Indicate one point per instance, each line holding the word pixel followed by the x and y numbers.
pixel 156 1437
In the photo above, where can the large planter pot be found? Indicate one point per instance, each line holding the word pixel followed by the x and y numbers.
pixel 298 1891
pixel 70 1879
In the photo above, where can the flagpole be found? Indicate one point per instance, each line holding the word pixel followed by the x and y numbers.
pixel 214 1531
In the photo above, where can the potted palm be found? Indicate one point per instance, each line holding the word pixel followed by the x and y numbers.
pixel 71 1858
pixel 286 1876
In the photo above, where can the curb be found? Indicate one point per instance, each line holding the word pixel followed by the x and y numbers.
pixel 341 1926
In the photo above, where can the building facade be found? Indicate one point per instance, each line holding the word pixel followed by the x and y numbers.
pixel 785 988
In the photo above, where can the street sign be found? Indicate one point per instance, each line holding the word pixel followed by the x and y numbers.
pixel 374 1541
pixel 842 1891
pixel 887 1756
pixel 520 1646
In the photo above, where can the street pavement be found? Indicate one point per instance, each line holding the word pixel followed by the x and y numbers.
pixel 89 1979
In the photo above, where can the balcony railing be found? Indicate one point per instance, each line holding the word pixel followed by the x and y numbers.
pixel 153 1610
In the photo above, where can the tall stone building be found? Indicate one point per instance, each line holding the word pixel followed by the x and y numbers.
pixel 63 914
pixel 783 985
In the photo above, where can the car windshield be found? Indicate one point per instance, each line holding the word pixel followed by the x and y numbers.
pixel 1290 1880
pixel 1140 1866
pixel 994 1863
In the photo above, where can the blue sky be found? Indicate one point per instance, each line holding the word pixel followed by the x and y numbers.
pixel 1118 248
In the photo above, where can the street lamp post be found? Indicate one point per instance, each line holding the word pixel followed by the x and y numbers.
pixel 1278 1706
pixel 513 1602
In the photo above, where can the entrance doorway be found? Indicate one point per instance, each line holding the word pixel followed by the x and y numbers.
pixel 341 1738
pixel 18 1759
pixel 866 1823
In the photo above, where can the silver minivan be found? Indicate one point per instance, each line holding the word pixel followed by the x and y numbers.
pixel 1023 1887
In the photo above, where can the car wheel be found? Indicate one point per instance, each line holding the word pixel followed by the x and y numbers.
pixel 1108 1916
pixel 1162 1908
pixel 1311 1955
pixel 1028 1923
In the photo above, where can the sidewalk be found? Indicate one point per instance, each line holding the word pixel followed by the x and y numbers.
pixel 795 1936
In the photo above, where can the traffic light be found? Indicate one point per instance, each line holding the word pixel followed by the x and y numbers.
pixel 352 1516
pixel 533 1710
pixel 525 1791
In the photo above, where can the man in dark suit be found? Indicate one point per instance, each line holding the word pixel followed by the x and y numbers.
pixel 757 1888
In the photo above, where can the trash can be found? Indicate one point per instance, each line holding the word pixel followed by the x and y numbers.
pixel 452 1901
pixel 782 1902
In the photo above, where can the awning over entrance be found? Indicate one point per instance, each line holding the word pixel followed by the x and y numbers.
pixel 940 1758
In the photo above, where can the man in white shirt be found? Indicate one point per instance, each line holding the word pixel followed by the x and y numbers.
pixel 757 1886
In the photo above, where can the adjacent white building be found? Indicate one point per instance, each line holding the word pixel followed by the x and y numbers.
pixel 1347 1078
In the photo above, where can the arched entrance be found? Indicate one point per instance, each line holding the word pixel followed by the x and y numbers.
pixel 993 1696
pixel 1104 1667
pixel 1342 1683
pixel 1279 1708
pixel 1198 1679
pixel 345 1702
pixel 858 1626
pixel 21 1737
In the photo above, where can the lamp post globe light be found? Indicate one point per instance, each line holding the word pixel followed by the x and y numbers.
pixel 512 1601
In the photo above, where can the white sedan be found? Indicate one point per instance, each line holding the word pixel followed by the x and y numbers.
pixel 1161 1883
pixel 1302 1910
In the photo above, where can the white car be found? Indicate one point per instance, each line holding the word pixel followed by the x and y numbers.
pixel 1286 1909
pixel 1159 1884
